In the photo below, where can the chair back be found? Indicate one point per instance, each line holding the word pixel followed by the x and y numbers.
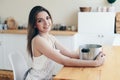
pixel 19 65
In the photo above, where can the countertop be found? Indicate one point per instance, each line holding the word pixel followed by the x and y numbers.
pixel 63 33
pixel 110 70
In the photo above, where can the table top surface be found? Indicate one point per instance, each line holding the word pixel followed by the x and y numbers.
pixel 110 70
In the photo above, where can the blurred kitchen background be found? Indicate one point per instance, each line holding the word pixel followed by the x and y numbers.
pixel 67 28
pixel 64 12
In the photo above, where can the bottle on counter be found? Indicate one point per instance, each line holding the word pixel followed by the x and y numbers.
pixel 1 26
pixel 5 27
pixel 73 28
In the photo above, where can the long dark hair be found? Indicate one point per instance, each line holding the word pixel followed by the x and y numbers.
pixel 32 30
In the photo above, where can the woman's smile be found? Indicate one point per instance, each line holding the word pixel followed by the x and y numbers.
pixel 43 22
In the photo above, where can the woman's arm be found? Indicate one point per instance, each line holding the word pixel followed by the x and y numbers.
pixel 43 46
pixel 65 51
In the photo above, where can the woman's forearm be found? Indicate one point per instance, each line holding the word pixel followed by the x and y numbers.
pixel 78 62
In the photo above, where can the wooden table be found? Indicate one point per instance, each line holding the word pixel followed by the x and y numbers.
pixel 110 70
pixel 6 74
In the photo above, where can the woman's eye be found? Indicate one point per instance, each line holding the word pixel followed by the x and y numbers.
pixel 39 20
pixel 47 17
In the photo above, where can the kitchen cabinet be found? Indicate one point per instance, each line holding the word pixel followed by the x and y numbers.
pixel 96 28
pixel 96 22
pixel 116 40
pixel 11 43
pixel 67 41
pixel 1 52
pixel 102 39
pixel 18 42
pixel 14 43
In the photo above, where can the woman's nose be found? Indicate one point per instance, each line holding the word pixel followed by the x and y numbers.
pixel 46 22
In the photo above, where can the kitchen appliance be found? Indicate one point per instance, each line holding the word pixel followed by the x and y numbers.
pixel 89 51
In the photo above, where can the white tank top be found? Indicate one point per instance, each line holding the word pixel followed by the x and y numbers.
pixel 44 68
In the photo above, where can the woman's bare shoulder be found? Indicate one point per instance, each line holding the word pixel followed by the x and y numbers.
pixel 51 35
pixel 37 39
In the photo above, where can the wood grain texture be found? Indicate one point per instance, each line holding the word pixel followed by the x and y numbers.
pixel 6 75
pixel 110 70
pixel 118 22
pixel 62 33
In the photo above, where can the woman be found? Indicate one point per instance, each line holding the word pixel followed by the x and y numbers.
pixel 45 50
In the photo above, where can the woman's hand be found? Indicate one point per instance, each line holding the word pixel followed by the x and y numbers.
pixel 100 59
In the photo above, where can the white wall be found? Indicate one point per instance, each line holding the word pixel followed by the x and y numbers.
pixel 62 11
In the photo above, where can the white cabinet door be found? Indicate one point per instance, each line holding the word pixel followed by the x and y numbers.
pixel 96 28
pixel 1 53
pixel 116 40
pixel 67 41
pixel 14 43
pixel 94 39
pixel 1 58
pixel 96 22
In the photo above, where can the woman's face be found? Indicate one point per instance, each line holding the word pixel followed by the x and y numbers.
pixel 43 22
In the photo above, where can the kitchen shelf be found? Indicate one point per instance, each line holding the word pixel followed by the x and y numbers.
pixel 13 31
pixel 64 33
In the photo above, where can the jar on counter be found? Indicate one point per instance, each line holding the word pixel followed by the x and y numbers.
pixel 5 27
pixel 1 26
pixel 73 28
pixel 68 28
